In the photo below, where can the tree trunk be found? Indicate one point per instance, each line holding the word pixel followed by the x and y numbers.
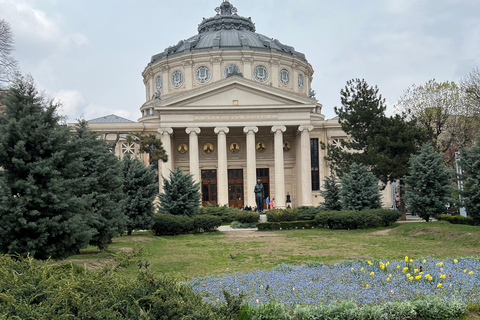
pixel 403 209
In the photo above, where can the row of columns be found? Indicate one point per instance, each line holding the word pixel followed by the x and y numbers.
pixel 303 157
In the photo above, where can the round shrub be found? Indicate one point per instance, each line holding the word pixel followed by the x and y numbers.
pixel 226 213
pixel 207 222
pixel 169 224
pixel 281 215
pixel 348 219
pixel 307 213
pixel 247 216
pixel 388 216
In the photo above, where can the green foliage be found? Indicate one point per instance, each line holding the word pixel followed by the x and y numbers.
pixel 247 217
pixel 140 187
pixel 286 225
pixel 307 213
pixel 207 222
pixel 271 311
pixel 348 219
pixel 41 214
pixel 242 225
pixel 99 185
pixel 359 189
pixel 457 219
pixel 433 307
pixel 169 224
pixel 331 195
pixel 388 216
pixel 180 195
pixel 151 145
pixel 428 187
pixel 226 213
pixel 281 215
pixel 470 163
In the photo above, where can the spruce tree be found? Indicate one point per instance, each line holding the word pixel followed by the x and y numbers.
pixel 99 185
pixel 470 163
pixel 359 189
pixel 41 216
pixel 331 195
pixel 180 195
pixel 428 186
pixel 140 188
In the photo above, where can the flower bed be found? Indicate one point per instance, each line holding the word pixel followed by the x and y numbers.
pixel 363 282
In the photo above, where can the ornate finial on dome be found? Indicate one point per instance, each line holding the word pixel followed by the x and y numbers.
pixel 226 9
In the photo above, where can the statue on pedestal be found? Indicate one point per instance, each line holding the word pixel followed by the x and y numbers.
pixel 259 195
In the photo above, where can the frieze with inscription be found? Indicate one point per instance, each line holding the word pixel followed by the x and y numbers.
pixel 236 117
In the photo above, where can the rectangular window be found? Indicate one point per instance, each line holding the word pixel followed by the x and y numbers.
pixel 315 164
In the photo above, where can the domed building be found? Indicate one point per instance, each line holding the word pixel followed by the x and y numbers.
pixel 232 106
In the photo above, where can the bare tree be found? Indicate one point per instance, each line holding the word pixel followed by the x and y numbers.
pixel 8 64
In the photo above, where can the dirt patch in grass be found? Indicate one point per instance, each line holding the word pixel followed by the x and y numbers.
pixel 125 249
pixel 381 232
pixel 251 234
pixel 92 264
pixel 473 315
pixel 426 231
pixel 134 239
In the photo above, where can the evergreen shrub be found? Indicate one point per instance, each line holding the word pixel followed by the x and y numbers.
pixel 169 224
pixel 207 222
pixel 247 216
pixel 457 219
pixel 307 213
pixel 286 225
pixel 226 213
pixel 348 219
pixel 281 215
pixel 388 216
pixel 241 225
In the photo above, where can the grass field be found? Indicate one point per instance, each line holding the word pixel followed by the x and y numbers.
pixel 189 256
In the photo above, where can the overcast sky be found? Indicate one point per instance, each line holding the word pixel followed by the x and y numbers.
pixel 90 53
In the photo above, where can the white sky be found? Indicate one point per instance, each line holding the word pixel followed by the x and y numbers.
pixel 90 53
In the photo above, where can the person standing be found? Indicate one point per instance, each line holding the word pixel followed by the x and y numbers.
pixel 267 201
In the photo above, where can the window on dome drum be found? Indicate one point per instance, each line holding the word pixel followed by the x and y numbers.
pixel 159 83
pixel 128 148
pixel 300 81
pixel 230 69
pixel 260 73
pixel 284 77
pixel 314 158
pixel 202 74
pixel 177 79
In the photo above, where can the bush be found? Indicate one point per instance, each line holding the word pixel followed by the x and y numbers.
pixel 226 213
pixel 281 215
pixel 348 219
pixel 169 224
pixel 271 311
pixel 307 213
pixel 207 222
pixel 286 225
pixel 237 224
pixel 433 307
pixel 388 216
pixel 247 216
pixel 457 219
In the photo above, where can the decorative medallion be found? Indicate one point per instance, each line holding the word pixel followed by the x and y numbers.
pixel 202 75
pixel 260 73
pixel 159 83
pixel 208 148
pixel 286 146
pixel 261 147
pixel 234 147
pixel 128 148
pixel 231 69
pixel 300 81
pixel 177 78
pixel 182 148
pixel 284 77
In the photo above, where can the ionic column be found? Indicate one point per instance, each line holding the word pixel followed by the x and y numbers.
pixel 166 137
pixel 279 166
pixel 222 173
pixel 193 152
pixel 305 166
pixel 251 165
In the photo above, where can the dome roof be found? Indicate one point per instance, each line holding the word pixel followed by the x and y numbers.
pixel 227 30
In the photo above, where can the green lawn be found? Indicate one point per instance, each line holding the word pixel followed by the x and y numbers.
pixel 188 256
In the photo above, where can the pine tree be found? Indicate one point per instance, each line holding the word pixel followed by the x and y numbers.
pixel 180 195
pixel 359 189
pixel 140 187
pixel 428 186
pixel 331 195
pixel 41 216
pixel 99 185
pixel 470 163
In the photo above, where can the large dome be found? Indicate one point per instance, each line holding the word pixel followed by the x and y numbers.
pixel 227 30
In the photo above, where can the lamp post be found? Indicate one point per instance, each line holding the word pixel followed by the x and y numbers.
pixel 463 212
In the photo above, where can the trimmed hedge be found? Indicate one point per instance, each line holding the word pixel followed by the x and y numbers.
pixel 457 219
pixel 247 217
pixel 281 215
pixel 207 222
pixel 226 213
pixel 348 220
pixel 286 225
pixel 169 224
pixel 388 216
pixel 307 213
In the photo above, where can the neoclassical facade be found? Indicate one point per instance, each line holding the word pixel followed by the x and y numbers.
pixel 232 106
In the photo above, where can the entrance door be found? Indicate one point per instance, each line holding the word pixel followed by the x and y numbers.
pixel 235 188
pixel 263 174
pixel 209 187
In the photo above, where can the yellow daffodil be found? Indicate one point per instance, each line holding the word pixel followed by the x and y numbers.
pixel 398 267
pixel 439 285
pixel 418 277
pixel 389 275
pixel 404 269
pixel 411 260
pixel 411 278
pixel 372 273
pixel 442 276
pixel 369 263
pixel 415 270
pixel 382 267
pixel 388 279
pixel 455 260
pixel 451 284
pixel 361 269
pixel 351 269
pixel 406 259
pixel 441 264
pixel 408 275
pixel 424 261
pixel 387 264
pixel 464 270
pixel 471 272
pixel 367 286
